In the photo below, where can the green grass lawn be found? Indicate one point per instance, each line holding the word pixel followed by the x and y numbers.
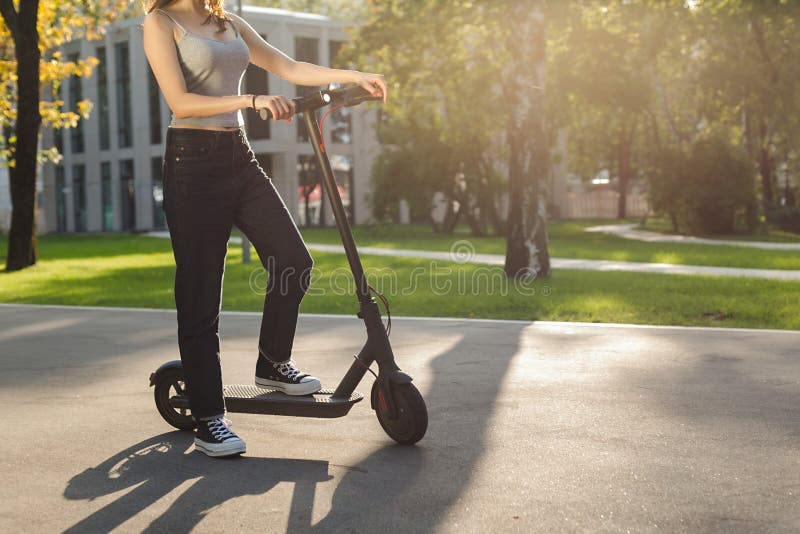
pixel 137 271
pixel 568 240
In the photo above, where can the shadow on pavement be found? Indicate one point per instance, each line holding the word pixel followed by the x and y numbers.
pixel 406 489
pixel 63 345
pixel 410 489
pixel 158 465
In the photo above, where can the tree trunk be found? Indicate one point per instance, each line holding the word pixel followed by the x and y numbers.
pixel 766 170
pixel 490 199
pixel 306 203
pixel 524 90
pixel 451 218
pixel 22 242
pixel 624 168
pixel 449 221
pixel 473 221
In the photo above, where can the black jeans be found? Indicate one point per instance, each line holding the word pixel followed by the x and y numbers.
pixel 212 181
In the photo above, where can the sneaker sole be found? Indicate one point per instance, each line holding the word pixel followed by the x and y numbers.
pixel 222 449
pixel 306 388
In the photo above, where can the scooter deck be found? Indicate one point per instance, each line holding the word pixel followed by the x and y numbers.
pixel 251 399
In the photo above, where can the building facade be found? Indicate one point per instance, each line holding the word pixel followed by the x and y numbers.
pixel 110 177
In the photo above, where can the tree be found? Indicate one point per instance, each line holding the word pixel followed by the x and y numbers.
pixel 524 89
pixel 441 131
pixel 601 65
pixel 704 186
pixel 30 60
pixel 466 118
pixel 750 69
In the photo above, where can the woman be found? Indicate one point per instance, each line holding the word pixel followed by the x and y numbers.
pixel 198 53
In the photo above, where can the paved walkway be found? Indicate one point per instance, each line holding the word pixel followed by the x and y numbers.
pixel 629 231
pixel 591 265
pixel 534 427
pixel 561 263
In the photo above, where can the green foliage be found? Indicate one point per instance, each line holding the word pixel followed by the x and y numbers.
pixel 786 218
pixel 56 23
pixel 630 79
pixel 442 126
pixel 704 188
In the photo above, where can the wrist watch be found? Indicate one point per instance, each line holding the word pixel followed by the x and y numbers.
pixel 254 101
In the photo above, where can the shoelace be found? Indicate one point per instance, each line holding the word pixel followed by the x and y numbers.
pixel 219 429
pixel 287 369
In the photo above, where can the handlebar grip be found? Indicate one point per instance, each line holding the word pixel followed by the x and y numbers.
pixel 348 96
pixel 266 113
pixel 301 103
pixel 351 96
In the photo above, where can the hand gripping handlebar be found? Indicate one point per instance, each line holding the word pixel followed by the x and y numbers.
pixel 343 96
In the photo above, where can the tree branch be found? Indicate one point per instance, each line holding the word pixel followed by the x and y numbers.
pixel 9 16
pixel 28 13
pixel 662 93
pixel 761 43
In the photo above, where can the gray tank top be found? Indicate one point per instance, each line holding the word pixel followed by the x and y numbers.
pixel 212 68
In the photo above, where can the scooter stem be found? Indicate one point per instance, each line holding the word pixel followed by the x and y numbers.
pixel 377 347
pixel 329 181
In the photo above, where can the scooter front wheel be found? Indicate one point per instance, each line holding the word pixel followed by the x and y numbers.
pixel 171 383
pixel 412 415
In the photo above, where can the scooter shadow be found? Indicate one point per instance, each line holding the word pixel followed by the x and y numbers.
pixel 157 466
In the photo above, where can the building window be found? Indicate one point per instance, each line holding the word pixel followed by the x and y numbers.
pixel 108 203
pixel 127 191
pixel 58 133
pixel 156 165
pixel 124 126
pixel 79 196
pixel 102 98
pixel 341 125
pixel 305 49
pixel 257 83
pixel 310 197
pixel 75 96
pixel 155 108
pixel 343 171
pixel 58 139
pixel 61 200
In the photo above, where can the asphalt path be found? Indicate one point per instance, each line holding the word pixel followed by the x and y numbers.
pixel 534 427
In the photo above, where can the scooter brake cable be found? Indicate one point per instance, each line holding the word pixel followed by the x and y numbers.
pixel 355 356
pixel 388 312
pixel 322 120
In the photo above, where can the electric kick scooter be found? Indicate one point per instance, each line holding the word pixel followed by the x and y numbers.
pixel 398 404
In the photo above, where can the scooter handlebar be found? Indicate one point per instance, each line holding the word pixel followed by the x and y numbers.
pixel 345 96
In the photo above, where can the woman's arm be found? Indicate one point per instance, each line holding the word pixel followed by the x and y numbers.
pixel 159 47
pixel 269 58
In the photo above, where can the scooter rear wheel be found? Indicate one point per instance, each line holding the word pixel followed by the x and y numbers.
pixel 412 415
pixel 171 383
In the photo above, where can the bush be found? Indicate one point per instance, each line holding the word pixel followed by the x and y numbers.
pixel 786 219
pixel 703 189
